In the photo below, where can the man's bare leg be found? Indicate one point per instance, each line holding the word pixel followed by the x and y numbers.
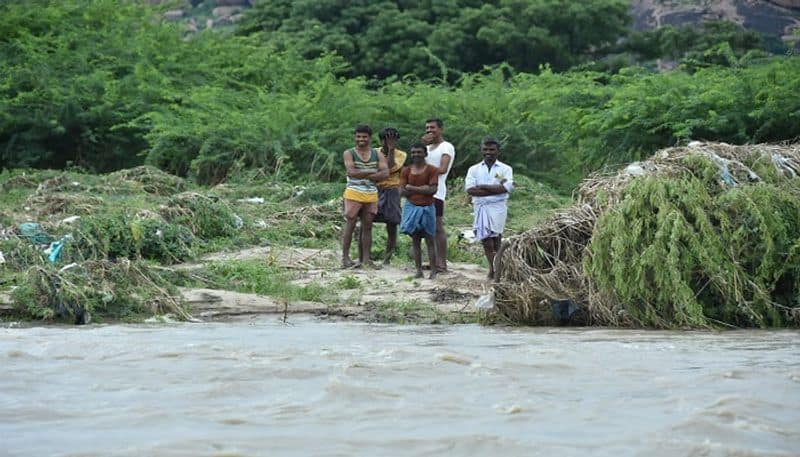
pixel 347 238
pixel 490 248
pixel 366 237
pixel 441 246
pixel 416 253
pixel 391 242
pixel 430 243
pixel 360 243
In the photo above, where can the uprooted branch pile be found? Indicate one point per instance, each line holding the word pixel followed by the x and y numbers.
pixel 701 236
pixel 122 289
pixel 152 180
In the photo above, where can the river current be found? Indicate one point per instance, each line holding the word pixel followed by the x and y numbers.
pixel 312 388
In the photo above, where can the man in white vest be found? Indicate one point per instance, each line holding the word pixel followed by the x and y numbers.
pixel 441 155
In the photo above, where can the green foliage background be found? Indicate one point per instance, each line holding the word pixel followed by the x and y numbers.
pixel 105 84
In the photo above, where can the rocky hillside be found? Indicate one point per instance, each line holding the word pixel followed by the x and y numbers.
pixel 777 18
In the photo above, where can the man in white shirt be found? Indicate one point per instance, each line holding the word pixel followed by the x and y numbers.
pixel 441 155
pixel 489 182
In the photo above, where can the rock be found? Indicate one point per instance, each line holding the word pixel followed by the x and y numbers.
pixel 233 2
pixel 225 11
pixel 213 303
pixel 6 303
pixel 766 17
pixel 794 4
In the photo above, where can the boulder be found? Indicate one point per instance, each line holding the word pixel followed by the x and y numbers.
pixel 225 11
pixel 794 4
pixel 770 18
pixel 233 2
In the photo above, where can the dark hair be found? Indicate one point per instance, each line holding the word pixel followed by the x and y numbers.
pixel 364 128
pixel 389 132
pixel 418 145
pixel 437 120
pixel 489 140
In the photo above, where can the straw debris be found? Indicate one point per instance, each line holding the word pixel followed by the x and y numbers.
pixel 151 179
pixel 50 204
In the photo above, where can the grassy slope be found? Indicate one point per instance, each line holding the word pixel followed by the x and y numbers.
pixel 297 215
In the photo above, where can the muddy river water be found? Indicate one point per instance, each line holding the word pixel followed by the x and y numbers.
pixel 311 388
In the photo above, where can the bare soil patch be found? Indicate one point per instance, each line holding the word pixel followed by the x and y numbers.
pixel 362 293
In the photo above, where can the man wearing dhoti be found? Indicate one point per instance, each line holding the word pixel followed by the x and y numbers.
pixel 489 183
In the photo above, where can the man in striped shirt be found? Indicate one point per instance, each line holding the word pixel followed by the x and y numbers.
pixel 364 166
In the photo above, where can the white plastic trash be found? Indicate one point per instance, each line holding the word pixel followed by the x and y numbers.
pixel 485 301
pixel 2 259
pixel 256 200
pixel 467 235
pixel 69 220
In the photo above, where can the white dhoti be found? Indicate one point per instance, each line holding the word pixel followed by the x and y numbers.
pixel 490 219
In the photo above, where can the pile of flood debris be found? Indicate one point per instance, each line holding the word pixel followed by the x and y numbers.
pixel 706 235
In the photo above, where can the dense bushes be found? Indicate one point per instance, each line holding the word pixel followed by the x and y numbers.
pixel 203 105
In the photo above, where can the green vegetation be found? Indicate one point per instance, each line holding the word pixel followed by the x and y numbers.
pixel 213 105
pixel 95 290
pixel 690 250
pixel 260 278
pixel 138 221
pixel 712 43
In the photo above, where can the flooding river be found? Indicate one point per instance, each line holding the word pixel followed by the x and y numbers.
pixel 262 387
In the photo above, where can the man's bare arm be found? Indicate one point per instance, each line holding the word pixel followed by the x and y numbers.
pixel 428 189
pixel 382 172
pixel 443 167
pixel 485 190
pixel 354 172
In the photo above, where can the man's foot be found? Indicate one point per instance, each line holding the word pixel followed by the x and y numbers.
pixel 387 259
pixel 347 263
pixel 419 274
pixel 372 265
pixel 442 271
pixel 433 275
pixel 490 275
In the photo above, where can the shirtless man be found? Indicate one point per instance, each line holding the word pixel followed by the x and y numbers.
pixel 364 166
pixel 418 183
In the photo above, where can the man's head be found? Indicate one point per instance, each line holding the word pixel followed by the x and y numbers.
pixel 363 134
pixel 433 130
pixel 389 137
pixel 490 149
pixel 418 152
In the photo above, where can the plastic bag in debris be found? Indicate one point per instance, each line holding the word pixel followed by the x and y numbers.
pixel 34 233
pixel 54 251
pixel 2 259
pixel 563 309
pixel 485 301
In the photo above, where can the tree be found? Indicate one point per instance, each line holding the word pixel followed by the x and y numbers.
pixel 413 37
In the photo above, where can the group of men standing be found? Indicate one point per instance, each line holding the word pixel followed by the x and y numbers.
pixel 377 178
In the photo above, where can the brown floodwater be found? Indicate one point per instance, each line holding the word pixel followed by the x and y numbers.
pixel 262 387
